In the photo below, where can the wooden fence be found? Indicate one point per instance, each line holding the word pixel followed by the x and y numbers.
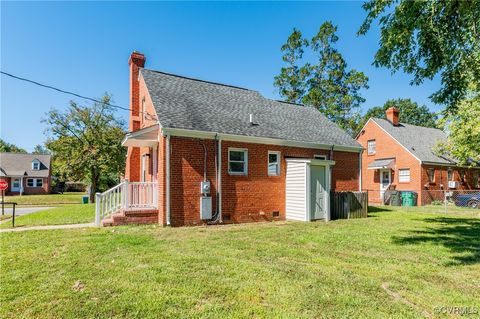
pixel 345 205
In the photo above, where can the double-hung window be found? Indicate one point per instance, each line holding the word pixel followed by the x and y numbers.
pixel 404 175
pixel 237 161
pixel 36 165
pixel 34 182
pixel 273 163
pixel 371 147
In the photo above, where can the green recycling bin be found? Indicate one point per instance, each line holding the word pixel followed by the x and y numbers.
pixel 85 199
pixel 409 198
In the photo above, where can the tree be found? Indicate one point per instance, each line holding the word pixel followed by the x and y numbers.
pixel 410 113
pixel 86 143
pixel 292 78
pixel 328 84
pixel 463 141
pixel 40 149
pixel 10 148
pixel 429 38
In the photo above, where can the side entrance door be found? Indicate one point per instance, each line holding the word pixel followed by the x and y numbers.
pixel 385 181
pixel 317 192
pixel 15 185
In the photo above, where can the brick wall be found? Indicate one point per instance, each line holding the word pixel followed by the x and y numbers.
pixel 45 189
pixel 253 197
pixel 386 147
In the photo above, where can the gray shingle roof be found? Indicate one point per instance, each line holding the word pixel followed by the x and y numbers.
pixel 16 164
pixel 417 139
pixel 192 104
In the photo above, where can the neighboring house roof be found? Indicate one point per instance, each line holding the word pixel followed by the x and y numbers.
pixel 418 140
pixel 17 164
pixel 185 103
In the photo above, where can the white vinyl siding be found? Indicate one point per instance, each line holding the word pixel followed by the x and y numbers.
pixel 295 195
pixel 404 175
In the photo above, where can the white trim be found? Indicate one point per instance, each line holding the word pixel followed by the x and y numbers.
pixel 256 140
pixel 400 170
pixel 36 161
pixel 360 155
pixel 278 162
pixel 382 191
pixel 374 148
pixel 167 178
pixel 397 141
pixel 219 184
pixel 35 182
pixel 245 161
pixel 317 156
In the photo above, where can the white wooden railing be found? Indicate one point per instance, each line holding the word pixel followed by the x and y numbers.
pixel 125 196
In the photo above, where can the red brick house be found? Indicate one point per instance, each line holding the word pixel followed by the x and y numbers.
pixel 27 174
pixel 206 152
pixel 399 156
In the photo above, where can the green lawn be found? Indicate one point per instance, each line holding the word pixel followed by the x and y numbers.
pixel 67 214
pixel 46 200
pixel 395 264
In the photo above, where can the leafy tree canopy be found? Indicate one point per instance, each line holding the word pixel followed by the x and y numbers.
pixel 410 113
pixel 429 38
pixel 40 149
pixel 10 148
pixel 463 130
pixel 326 83
pixel 86 143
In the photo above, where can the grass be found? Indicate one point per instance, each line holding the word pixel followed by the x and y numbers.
pixel 46 200
pixel 395 264
pixel 68 214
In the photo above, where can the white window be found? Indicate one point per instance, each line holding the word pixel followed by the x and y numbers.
pixel 273 163
pixel 450 174
pixel 404 175
pixel 320 157
pixel 34 182
pixel 237 161
pixel 371 147
pixel 36 165
pixel 431 175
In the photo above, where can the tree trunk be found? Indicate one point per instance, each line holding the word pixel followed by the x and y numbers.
pixel 93 185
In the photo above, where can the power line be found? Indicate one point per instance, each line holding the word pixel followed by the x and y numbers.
pixel 71 93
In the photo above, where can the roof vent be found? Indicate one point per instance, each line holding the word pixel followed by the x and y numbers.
pixel 252 123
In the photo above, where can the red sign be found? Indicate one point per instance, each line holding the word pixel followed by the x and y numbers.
pixel 3 185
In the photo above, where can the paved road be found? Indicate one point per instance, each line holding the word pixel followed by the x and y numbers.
pixel 23 210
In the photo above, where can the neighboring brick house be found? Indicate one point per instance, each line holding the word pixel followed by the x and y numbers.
pixel 258 154
pixel 400 156
pixel 27 174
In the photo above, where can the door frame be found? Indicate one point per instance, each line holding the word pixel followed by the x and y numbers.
pixel 328 176
pixel 20 184
pixel 382 191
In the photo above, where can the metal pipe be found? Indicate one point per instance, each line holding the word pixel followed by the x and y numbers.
pixel 219 183
pixel 167 186
pixel 204 161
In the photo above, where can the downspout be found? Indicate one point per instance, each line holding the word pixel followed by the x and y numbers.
pixel 167 186
pixel 360 170
pixel 219 179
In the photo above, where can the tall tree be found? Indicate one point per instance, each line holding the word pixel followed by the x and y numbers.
pixel 86 142
pixel 10 148
pixel 429 38
pixel 410 113
pixel 463 141
pixel 40 149
pixel 326 84
pixel 291 81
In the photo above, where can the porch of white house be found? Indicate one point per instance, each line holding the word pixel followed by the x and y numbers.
pixel 133 202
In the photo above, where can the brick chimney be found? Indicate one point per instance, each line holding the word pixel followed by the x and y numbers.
pixel 392 115
pixel 132 168
pixel 136 61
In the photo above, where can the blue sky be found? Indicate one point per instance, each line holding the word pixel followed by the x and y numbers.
pixel 84 47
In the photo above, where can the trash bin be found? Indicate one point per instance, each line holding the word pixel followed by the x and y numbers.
pixel 409 198
pixel 85 199
pixel 396 199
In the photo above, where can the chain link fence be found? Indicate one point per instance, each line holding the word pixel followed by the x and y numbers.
pixel 441 201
